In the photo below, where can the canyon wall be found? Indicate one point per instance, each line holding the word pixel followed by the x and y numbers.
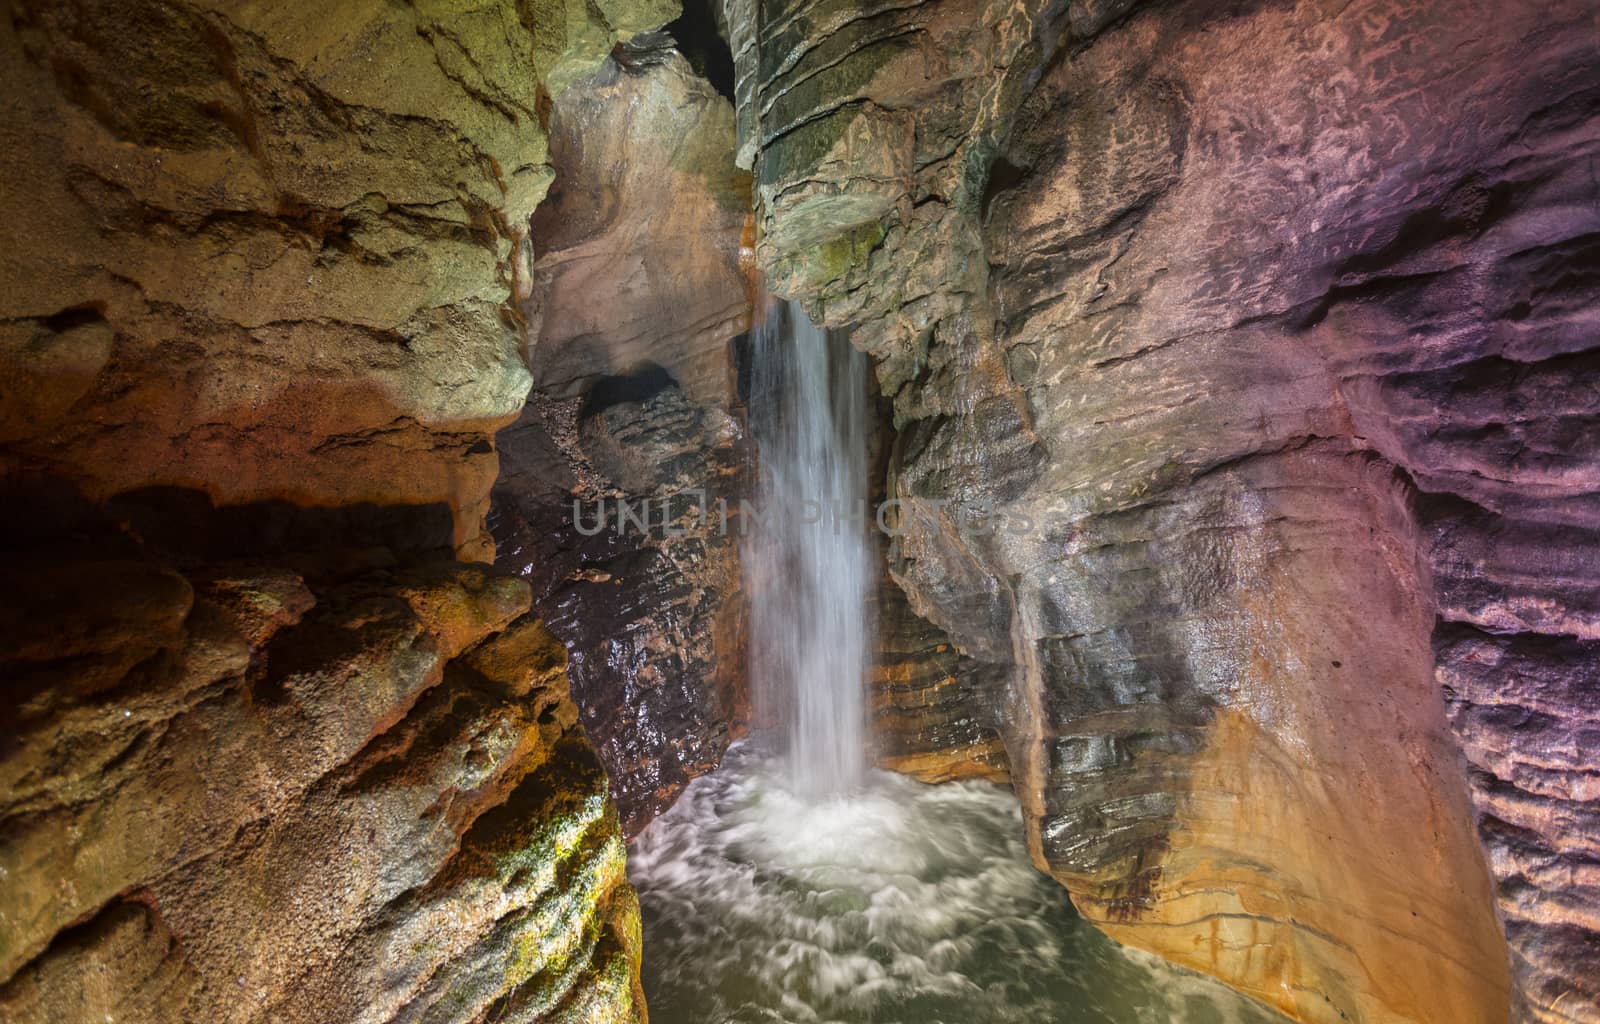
pixel 242 792
pixel 264 256
pixel 1269 328
pixel 1267 325
pixel 637 297
pixel 271 754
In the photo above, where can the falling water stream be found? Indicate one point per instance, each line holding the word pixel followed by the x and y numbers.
pixel 809 561
pixel 797 885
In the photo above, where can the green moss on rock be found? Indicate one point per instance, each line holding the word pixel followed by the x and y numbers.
pixel 827 262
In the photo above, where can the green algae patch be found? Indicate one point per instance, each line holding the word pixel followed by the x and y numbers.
pixel 572 869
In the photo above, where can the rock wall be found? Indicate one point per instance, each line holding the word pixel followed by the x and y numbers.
pixel 265 253
pixel 1267 323
pixel 270 755
pixel 637 300
pixel 934 711
pixel 638 296
pixel 239 793
pixel 1268 326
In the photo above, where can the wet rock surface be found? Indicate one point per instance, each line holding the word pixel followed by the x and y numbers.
pixel 934 710
pixel 637 297
pixel 649 612
pixel 1270 321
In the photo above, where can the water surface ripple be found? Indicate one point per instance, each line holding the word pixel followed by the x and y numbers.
pixel 899 903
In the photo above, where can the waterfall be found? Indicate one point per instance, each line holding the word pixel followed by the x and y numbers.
pixel 797 884
pixel 809 560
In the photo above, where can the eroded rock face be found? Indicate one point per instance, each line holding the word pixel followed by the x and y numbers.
pixel 637 245
pixel 269 253
pixel 1270 322
pixel 649 612
pixel 934 710
pixel 241 794
pixel 267 757
pixel 638 293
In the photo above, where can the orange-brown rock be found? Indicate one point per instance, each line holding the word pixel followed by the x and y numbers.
pixel 1270 325
pixel 242 794
pixel 269 253
pixel 636 248
pixel 933 709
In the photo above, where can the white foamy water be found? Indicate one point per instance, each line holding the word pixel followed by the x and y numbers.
pixel 809 566
pixel 897 904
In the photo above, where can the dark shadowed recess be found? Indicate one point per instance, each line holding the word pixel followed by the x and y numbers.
pixel 702 45
pixel 643 384
pixel 43 515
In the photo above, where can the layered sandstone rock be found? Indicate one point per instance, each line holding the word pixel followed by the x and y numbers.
pixel 1267 325
pixel 934 710
pixel 261 276
pixel 241 793
pixel 638 295
pixel 266 252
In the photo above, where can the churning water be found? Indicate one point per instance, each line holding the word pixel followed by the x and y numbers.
pixel 809 563
pixel 798 887
pixel 900 903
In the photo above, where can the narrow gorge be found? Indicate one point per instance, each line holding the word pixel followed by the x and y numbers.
pixel 910 511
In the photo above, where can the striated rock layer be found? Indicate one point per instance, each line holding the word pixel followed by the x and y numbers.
pixel 933 709
pixel 239 793
pixel 266 252
pixel 637 296
pixel 267 757
pixel 1269 325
